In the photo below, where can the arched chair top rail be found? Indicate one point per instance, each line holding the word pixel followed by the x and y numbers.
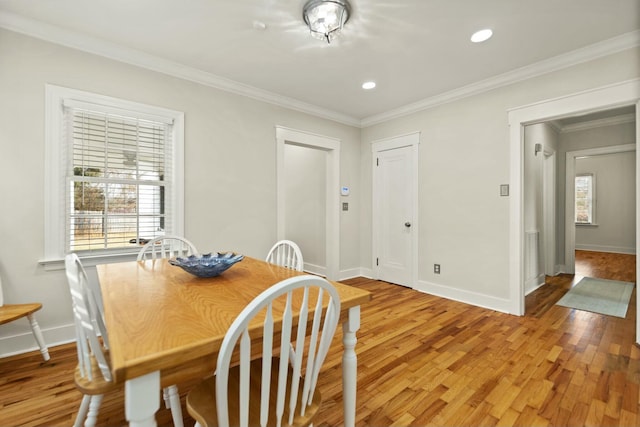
pixel 167 247
pixel 297 318
pixel 286 253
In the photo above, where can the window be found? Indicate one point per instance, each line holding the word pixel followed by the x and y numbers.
pixel 585 199
pixel 114 174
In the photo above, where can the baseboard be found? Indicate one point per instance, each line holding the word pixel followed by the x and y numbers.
pixel 24 343
pixel 356 272
pixel 467 297
pixel 604 248
pixel 318 270
pixel 533 284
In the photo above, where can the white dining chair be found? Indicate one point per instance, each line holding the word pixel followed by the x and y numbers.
pixel 93 374
pixel 167 247
pixel 11 312
pixel 270 390
pixel 286 253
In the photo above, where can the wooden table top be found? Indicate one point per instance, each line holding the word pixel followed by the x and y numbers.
pixel 160 317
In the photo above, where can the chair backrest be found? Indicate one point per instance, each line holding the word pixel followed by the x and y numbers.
pixel 286 253
pixel 88 320
pixel 167 247
pixel 290 300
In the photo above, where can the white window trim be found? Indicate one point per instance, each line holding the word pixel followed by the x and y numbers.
pixel 593 222
pixel 54 185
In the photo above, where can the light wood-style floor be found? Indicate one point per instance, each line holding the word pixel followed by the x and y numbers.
pixel 425 360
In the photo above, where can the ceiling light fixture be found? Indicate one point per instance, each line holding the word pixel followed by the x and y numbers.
pixel 368 85
pixel 481 36
pixel 325 18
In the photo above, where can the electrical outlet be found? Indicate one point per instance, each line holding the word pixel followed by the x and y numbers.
pixel 436 268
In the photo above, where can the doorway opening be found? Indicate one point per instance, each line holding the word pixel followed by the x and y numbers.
pixel 329 148
pixel 618 163
pixel 613 96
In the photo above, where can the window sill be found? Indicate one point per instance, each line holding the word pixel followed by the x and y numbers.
pixel 591 224
pixel 89 260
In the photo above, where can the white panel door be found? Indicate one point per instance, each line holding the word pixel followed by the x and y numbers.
pixel 394 194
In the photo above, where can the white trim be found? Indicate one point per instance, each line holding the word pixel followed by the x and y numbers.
pixel 541 283
pixel 609 249
pixel 355 272
pixel 85 43
pixel 550 211
pixel 332 147
pixel 593 124
pixel 578 56
pixel 406 140
pixel 467 297
pixel 318 270
pixel 74 40
pixel 611 96
pixel 594 199
pixel 24 342
pixel 54 212
pixel 535 284
pixel 570 186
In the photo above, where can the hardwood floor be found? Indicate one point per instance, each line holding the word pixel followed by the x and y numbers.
pixel 425 360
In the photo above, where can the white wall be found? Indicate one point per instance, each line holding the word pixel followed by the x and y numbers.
pixel 306 170
pixel 615 206
pixel 230 176
pixel 464 157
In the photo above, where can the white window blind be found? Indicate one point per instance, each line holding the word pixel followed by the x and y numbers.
pixel 118 170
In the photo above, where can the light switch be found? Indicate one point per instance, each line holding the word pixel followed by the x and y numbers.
pixel 345 206
pixel 504 189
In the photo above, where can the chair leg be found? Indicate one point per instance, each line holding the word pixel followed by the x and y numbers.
pixel 37 333
pixel 94 407
pixel 176 407
pixel 82 412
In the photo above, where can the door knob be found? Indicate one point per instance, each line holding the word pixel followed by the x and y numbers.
pixel 407 224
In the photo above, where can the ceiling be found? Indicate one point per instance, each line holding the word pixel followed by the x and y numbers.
pixel 417 51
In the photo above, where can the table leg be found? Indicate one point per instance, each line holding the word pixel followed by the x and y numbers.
pixel 142 400
pixel 350 365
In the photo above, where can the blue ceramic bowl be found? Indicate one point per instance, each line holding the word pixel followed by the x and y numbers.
pixel 207 265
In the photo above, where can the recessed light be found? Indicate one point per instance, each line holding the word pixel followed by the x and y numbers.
pixel 368 85
pixel 482 35
pixel 259 25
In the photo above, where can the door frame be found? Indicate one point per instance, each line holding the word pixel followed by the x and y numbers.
pixel 332 147
pixel 612 96
pixel 407 140
pixel 550 211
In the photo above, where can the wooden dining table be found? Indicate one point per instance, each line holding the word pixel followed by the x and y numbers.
pixel 166 326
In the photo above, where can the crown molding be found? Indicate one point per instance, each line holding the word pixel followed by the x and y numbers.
pixel 555 125
pixel 575 57
pixel 140 59
pixel 57 35
pixel 592 124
